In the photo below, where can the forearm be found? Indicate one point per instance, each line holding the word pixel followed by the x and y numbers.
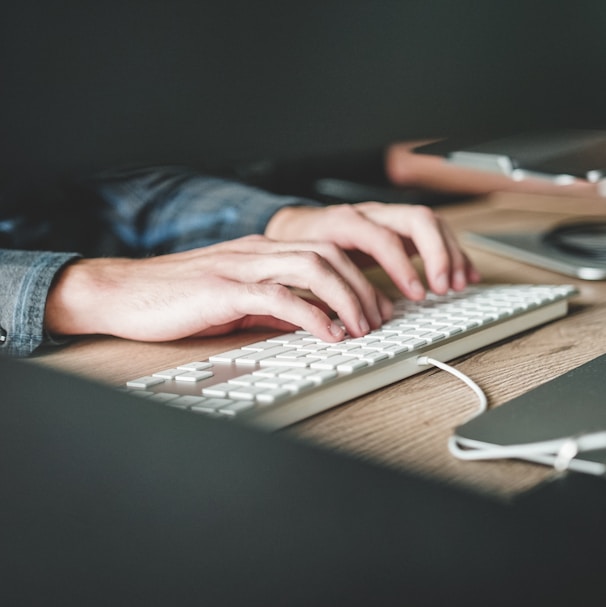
pixel 158 210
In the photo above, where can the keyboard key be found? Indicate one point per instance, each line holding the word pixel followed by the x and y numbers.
pixel 194 376
pixel 141 393
pixel 144 382
pixel 269 371
pixel 250 358
pixel 244 380
pixel 220 390
pixel 185 401
pixel 211 405
pixel 287 362
pixel 244 392
pixel 284 339
pixel 195 366
pixel 272 395
pixel 227 357
pixel 293 386
pixel 333 362
pixel 371 357
pixel 236 408
pixel 259 345
pixel 168 373
pixel 317 376
pixel 163 397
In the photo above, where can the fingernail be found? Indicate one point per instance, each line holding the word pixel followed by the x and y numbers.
pixel 441 283
pixel 377 320
pixel 335 329
pixel 364 326
pixel 459 280
pixel 416 289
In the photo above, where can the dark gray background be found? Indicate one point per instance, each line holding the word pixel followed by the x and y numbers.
pixel 91 84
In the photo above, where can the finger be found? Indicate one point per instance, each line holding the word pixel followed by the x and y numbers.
pixel 221 305
pixel 355 231
pixel 374 302
pixel 305 270
pixel 462 270
pixel 263 300
pixel 438 251
pixel 376 305
pixel 425 234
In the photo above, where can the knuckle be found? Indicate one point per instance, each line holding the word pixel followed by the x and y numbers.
pixel 278 291
pixel 312 259
pixel 274 291
pixel 329 250
pixel 390 238
pixel 343 212
pixel 424 213
pixel 255 238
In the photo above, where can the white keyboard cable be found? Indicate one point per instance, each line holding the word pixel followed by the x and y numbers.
pixel 559 453
pixel 426 360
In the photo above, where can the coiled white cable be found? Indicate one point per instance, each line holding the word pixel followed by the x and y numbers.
pixel 559 453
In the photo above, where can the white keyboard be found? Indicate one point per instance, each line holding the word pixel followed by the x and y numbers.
pixel 290 377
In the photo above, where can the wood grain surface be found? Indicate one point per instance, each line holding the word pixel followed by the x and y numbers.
pixel 406 426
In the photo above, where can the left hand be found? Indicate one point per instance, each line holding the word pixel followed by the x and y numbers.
pixel 391 234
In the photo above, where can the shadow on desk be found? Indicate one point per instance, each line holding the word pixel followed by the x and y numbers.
pixel 108 499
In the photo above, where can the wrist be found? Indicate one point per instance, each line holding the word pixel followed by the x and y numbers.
pixel 73 305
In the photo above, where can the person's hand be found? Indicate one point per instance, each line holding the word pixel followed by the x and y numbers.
pixel 390 234
pixel 214 290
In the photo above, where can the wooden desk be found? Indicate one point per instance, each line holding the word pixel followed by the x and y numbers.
pixel 407 425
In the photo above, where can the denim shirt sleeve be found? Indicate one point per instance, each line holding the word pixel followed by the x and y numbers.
pixel 26 277
pixel 148 211
pixel 155 210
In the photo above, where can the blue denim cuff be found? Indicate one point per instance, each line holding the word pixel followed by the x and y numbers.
pixel 27 277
